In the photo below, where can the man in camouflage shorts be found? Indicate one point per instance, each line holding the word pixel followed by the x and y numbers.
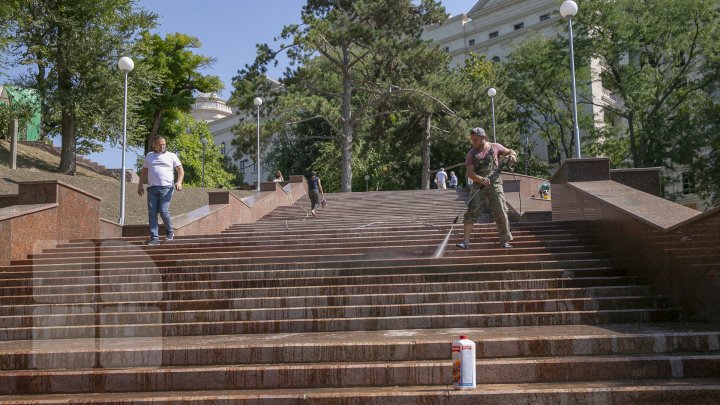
pixel 480 162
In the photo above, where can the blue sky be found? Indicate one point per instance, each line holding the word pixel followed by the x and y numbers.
pixel 228 31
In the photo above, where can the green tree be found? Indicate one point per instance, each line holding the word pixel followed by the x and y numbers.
pixel 537 78
pixel 6 8
pixel 74 46
pixel 15 111
pixel 350 42
pixel 184 138
pixel 178 68
pixel 661 61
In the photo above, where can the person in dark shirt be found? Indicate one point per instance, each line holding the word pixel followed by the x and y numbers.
pixel 315 191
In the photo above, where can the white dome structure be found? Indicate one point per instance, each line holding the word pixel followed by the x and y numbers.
pixel 209 107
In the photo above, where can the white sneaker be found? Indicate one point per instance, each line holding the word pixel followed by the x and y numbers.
pixel 313 211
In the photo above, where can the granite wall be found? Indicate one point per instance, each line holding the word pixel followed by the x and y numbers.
pixel 668 246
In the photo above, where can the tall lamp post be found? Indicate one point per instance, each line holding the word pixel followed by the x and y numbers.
pixel 492 92
pixel 258 102
pixel 527 153
pixel 568 10
pixel 203 141
pixel 126 65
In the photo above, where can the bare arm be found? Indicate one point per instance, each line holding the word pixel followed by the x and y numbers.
pixel 470 169
pixel 143 179
pixel 181 175
pixel 512 154
pixel 320 188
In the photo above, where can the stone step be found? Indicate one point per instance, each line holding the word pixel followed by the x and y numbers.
pixel 135 314
pixel 353 374
pixel 190 245
pixel 29 272
pixel 157 292
pixel 326 232
pixel 362 346
pixel 448 272
pixel 34 308
pixel 330 248
pixel 479 280
pixel 667 391
pixel 391 254
pixel 158 329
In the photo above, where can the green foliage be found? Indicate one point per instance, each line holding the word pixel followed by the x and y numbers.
pixel 185 142
pixel 72 47
pixel 9 112
pixel 344 49
pixel 537 79
pixel 662 60
pixel 178 70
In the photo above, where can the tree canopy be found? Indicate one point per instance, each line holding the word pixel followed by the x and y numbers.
pixel 660 60
pixel 177 67
pixel 73 47
pixel 341 52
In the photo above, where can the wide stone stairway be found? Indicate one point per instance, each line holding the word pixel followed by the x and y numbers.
pixel 356 305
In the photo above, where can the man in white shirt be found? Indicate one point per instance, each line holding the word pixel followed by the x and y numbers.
pixel 440 178
pixel 158 171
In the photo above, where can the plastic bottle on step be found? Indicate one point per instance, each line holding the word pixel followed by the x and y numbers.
pixel 463 358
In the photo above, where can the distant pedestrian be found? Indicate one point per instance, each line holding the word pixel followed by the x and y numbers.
pixel 278 176
pixel 453 182
pixel 315 191
pixel 440 178
pixel 158 170
pixel 480 162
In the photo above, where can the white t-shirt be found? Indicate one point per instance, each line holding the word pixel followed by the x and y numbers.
pixel 441 176
pixel 161 167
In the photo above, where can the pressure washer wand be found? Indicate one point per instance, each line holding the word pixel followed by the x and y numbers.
pixel 493 176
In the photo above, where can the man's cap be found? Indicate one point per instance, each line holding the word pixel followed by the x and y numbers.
pixel 478 131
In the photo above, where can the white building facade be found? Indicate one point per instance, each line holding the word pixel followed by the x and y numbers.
pixel 221 119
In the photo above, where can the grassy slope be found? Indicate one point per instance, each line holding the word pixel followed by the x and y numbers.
pixel 35 164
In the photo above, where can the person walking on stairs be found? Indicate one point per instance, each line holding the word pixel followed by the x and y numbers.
pixel 158 171
pixel 481 160
pixel 315 191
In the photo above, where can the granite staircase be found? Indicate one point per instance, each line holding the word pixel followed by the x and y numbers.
pixel 356 305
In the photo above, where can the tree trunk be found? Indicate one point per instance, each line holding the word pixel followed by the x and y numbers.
pixel 157 119
pixel 67 154
pixel 426 154
pixel 346 177
pixel 67 112
pixel 633 141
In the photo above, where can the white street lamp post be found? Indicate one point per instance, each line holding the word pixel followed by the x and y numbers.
pixel 258 102
pixel 367 183
pixel 204 142
pixel 126 65
pixel 492 92
pixel 568 10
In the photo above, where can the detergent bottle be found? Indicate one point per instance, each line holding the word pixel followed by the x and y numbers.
pixel 463 358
